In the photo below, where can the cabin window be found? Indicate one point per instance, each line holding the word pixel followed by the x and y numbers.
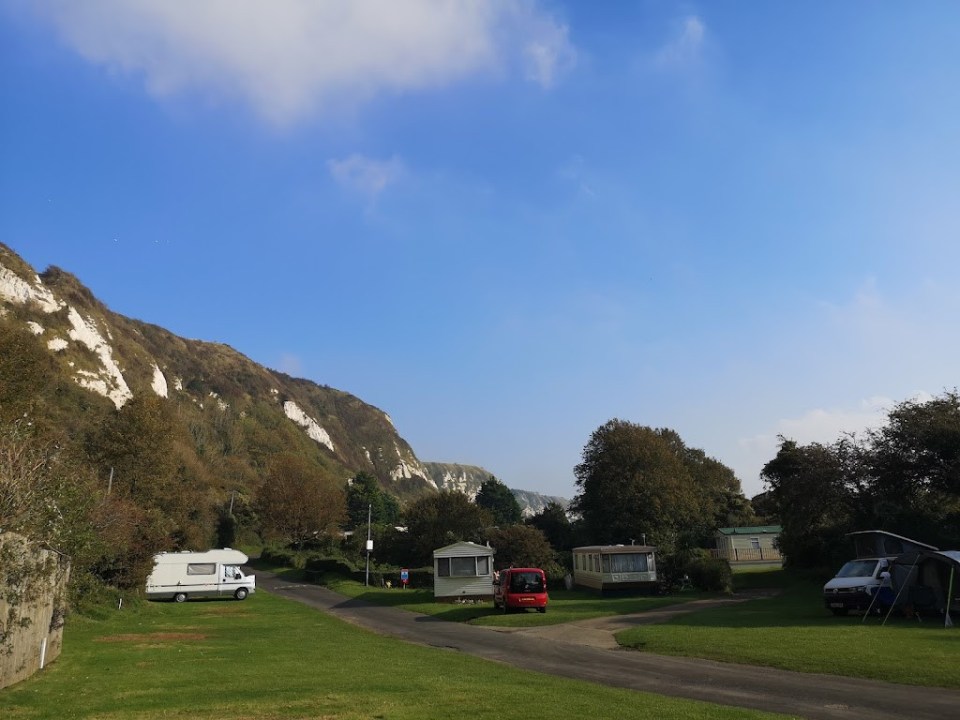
pixel 625 562
pixel 463 566
pixel 755 543
pixel 201 569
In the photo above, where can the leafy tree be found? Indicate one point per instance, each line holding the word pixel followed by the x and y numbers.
pixel 632 483
pixel 438 520
pixel 522 546
pixel 809 491
pixel 912 471
pixel 553 522
pixel 298 502
pixel 364 493
pixel 500 501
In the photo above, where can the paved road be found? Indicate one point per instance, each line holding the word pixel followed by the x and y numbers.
pixel 557 652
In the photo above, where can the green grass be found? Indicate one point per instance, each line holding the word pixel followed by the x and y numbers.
pixel 564 606
pixel 794 632
pixel 272 658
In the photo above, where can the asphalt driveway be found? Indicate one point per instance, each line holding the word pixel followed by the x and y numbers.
pixel 584 651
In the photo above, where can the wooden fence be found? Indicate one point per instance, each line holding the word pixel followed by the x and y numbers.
pixel 748 555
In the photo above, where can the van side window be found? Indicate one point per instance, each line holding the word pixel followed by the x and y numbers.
pixel 201 568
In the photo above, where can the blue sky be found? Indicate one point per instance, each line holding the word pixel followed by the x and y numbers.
pixel 506 223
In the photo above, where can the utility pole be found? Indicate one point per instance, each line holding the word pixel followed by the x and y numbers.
pixel 366 580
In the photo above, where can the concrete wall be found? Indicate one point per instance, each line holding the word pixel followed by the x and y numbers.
pixel 32 607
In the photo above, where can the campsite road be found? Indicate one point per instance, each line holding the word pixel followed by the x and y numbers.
pixel 799 694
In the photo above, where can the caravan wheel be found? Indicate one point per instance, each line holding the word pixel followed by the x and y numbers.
pixel 240 594
pixel 180 597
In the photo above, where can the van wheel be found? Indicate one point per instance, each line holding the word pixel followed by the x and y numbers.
pixel 240 594
pixel 180 597
pixel 541 610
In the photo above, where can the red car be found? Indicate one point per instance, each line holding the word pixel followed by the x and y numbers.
pixel 520 588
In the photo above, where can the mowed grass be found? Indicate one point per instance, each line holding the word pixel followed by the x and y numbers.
pixel 564 605
pixel 793 631
pixel 272 658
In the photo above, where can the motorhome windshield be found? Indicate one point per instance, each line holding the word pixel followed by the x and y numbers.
pixel 858 568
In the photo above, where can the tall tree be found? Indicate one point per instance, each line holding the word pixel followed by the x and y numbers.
pixel 809 490
pixel 363 494
pixel 521 546
pixel 553 522
pixel 438 520
pixel 633 482
pixel 298 502
pixel 500 501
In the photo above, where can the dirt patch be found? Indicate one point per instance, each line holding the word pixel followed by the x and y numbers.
pixel 152 637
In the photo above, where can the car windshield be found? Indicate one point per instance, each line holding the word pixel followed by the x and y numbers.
pixel 858 568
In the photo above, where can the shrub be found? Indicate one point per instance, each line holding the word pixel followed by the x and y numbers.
pixel 710 574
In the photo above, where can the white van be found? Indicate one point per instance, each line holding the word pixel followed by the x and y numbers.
pixel 215 573
pixel 854 585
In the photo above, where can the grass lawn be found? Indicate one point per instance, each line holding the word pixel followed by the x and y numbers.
pixel 793 631
pixel 564 606
pixel 272 658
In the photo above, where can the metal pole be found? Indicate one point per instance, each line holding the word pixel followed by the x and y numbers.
pixel 366 580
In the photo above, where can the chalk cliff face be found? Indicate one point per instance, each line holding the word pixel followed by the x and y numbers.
pixel 230 405
pixel 468 479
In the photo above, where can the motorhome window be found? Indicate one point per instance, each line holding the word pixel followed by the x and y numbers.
pixel 443 567
pixel 201 568
pixel 892 546
pixel 858 568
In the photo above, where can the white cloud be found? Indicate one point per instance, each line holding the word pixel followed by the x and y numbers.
pixel 684 48
pixel 291 58
pixel 364 175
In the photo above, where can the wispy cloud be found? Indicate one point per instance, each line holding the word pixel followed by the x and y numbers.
pixel 288 59
pixel 684 47
pixel 364 175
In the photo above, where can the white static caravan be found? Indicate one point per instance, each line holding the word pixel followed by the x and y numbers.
pixel 215 573
pixel 463 571
pixel 610 568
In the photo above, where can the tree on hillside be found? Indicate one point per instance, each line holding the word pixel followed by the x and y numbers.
pixel 500 501
pixel 363 494
pixel 438 520
pixel 298 502
pixel 521 546
pixel 553 522
pixel 633 483
pixel 26 369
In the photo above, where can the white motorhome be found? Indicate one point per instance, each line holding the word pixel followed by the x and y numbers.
pixel 215 573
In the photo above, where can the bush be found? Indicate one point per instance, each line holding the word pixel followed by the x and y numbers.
pixel 710 574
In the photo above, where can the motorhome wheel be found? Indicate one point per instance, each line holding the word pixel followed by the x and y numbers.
pixel 180 597
pixel 240 594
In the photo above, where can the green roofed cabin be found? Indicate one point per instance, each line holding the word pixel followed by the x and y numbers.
pixel 748 545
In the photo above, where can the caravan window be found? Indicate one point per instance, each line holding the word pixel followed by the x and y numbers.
pixel 201 568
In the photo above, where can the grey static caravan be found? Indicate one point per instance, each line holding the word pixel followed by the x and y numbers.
pixel 215 573
pixel 610 568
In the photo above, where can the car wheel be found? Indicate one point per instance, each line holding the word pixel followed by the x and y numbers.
pixel 180 597
pixel 240 594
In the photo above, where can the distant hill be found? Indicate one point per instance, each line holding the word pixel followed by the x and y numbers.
pixel 236 411
pixel 468 479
